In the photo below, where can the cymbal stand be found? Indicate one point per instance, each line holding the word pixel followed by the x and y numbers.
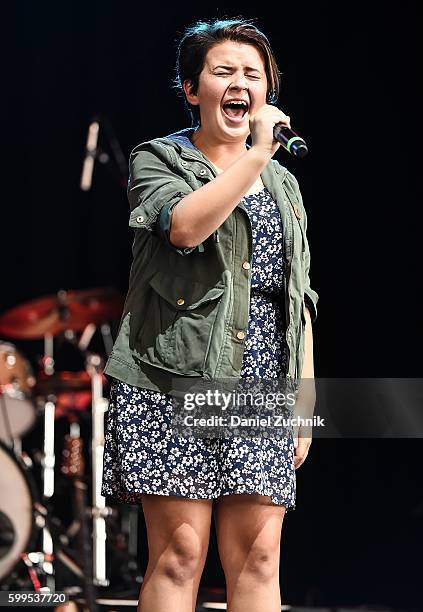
pixel 94 365
pixel 93 153
pixel 46 556
pixel 99 511
pixel 48 460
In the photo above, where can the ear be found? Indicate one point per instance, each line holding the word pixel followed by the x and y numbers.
pixel 191 98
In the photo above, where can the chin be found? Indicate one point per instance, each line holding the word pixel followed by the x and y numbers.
pixel 238 135
pixel 236 132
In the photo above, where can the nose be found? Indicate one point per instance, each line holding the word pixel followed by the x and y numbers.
pixel 239 81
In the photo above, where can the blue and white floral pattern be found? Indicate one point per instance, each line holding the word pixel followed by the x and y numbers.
pixel 141 453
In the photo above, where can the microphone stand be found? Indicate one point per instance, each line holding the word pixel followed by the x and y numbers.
pixel 93 153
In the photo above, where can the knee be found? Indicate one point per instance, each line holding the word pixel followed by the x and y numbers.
pixel 259 563
pixel 182 559
pixel 262 563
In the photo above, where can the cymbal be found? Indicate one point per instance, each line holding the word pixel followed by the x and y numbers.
pixel 62 382
pixel 56 313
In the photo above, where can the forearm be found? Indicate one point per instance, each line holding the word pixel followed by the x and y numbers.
pixel 308 366
pixel 306 397
pixel 201 212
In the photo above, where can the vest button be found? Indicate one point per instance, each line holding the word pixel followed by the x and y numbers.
pixel 180 301
pixel 241 335
pixel 203 172
pixel 246 265
pixel 140 219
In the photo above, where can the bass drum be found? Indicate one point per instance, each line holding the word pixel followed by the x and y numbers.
pixel 17 497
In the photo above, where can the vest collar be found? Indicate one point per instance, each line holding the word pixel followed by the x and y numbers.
pixel 190 151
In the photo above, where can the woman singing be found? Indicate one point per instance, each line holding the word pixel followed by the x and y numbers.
pixel 219 288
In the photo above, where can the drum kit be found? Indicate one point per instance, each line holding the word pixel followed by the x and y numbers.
pixel 37 550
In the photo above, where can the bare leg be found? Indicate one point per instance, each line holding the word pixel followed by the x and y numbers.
pixel 178 533
pixel 248 529
pixel 70 606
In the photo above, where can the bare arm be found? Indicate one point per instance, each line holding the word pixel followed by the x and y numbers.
pixel 201 212
pixel 306 399
pixel 308 367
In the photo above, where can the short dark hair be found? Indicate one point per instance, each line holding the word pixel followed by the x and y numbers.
pixel 198 38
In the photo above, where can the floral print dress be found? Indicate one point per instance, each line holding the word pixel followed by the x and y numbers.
pixel 141 454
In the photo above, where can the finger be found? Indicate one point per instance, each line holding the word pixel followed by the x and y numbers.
pixel 301 453
pixel 298 461
pixel 285 121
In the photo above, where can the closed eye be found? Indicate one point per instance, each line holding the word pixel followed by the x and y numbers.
pixel 250 76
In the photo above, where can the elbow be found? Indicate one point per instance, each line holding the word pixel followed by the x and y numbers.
pixel 181 238
pixel 183 231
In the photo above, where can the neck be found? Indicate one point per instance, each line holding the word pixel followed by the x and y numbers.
pixel 221 154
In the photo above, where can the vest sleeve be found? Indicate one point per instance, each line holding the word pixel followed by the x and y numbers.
pixel 154 189
pixel 311 297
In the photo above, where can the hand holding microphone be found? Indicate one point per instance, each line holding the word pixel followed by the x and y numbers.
pixel 270 128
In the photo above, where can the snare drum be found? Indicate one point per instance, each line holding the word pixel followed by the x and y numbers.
pixel 17 410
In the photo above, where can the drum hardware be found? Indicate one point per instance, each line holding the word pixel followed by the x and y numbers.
pixel 94 364
pixel 100 404
pixel 79 381
pixel 74 467
pixel 106 333
pixel 17 411
pixel 48 359
pixel 62 394
pixel 69 312
pixel 27 525
pixel 89 332
pixel 40 567
pixel 48 460
pixel 29 517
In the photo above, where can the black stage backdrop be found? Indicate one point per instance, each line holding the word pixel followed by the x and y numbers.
pixel 349 80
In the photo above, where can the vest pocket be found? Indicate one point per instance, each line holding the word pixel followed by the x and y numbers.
pixel 179 318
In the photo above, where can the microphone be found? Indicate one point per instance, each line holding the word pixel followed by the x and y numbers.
pixel 90 156
pixel 293 143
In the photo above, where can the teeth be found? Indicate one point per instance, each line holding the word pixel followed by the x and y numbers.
pixel 239 102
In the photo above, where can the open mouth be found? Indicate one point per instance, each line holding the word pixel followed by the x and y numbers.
pixel 235 110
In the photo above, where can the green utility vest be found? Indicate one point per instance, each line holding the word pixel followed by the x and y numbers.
pixel 187 309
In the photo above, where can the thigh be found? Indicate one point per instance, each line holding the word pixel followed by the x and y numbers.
pixel 184 523
pixel 246 523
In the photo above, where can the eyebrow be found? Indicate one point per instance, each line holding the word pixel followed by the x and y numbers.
pixel 250 68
